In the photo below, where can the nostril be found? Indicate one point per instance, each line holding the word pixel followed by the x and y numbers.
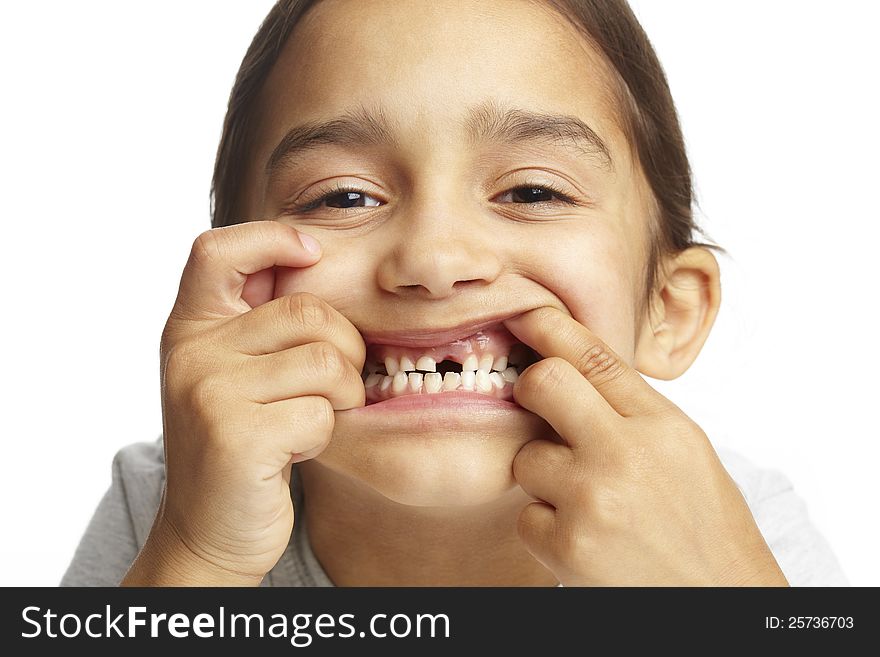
pixel 425 292
pixel 471 282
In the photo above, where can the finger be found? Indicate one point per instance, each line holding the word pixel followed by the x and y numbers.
pixel 541 468
pixel 551 332
pixel 221 260
pixel 290 321
pixel 537 528
pixel 308 423
pixel 317 368
pixel 555 390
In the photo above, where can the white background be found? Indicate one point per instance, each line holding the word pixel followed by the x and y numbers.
pixel 109 122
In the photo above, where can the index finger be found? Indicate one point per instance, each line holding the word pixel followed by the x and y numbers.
pixel 221 260
pixel 551 332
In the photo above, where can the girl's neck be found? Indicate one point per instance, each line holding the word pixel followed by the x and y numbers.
pixel 363 539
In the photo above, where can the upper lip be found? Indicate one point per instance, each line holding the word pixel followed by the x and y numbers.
pixel 434 336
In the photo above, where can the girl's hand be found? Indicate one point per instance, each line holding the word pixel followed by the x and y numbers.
pixel 634 493
pixel 249 386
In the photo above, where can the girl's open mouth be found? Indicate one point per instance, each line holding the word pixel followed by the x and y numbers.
pixel 485 363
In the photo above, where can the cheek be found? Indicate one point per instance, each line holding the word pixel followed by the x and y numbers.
pixel 339 278
pixel 596 279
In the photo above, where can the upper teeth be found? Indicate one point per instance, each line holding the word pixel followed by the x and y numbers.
pixel 481 373
pixel 426 364
pixel 472 363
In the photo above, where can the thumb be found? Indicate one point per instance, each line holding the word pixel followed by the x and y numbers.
pixel 215 281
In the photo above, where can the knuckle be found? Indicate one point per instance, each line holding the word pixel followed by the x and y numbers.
pixel 692 442
pixel 327 359
pixel 597 362
pixel 181 358
pixel 193 374
pixel 309 312
pixel 206 393
pixel 207 247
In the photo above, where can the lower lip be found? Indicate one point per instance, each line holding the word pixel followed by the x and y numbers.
pixel 444 401
pixel 443 415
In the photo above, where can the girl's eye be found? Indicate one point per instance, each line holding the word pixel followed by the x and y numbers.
pixel 344 198
pixel 537 194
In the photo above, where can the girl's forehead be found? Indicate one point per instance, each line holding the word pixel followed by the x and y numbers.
pixel 433 67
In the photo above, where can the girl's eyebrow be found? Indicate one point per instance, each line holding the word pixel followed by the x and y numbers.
pixel 487 122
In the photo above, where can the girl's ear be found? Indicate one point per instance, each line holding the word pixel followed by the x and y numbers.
pixel 681 314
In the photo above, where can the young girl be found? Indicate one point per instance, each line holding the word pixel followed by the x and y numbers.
pixel 448 239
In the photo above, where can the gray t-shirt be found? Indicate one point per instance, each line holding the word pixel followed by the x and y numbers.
pixel 125 515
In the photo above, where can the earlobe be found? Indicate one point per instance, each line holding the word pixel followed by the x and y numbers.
pixel 681 314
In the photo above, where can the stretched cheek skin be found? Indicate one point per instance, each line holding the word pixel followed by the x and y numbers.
pixel 339 281
pixel 602 299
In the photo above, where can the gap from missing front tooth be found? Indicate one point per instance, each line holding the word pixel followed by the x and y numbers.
pixel 445 366
pixel 520 357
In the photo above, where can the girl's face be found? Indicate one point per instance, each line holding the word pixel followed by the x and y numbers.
pixel 484 174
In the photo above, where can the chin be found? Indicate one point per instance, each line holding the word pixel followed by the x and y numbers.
pixel 445 468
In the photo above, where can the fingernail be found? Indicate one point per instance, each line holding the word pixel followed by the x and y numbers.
pixel 309 243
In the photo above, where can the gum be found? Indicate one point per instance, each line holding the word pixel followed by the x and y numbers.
pixel 495 340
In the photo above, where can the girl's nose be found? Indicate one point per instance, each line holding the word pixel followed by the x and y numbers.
pixel 434 256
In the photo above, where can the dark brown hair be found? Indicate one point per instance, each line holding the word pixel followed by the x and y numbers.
pixel 648 116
